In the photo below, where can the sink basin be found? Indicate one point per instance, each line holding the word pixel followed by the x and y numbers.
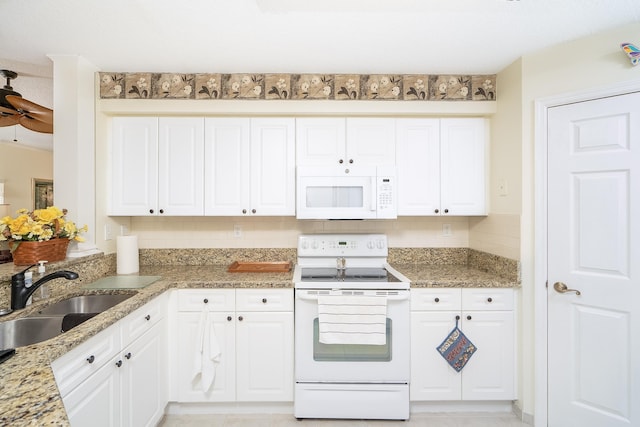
pixel 29 330
pixel 83 304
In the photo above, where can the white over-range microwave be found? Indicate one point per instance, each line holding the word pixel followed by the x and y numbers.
pixel 346 192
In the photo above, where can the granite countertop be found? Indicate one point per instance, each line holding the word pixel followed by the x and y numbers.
pixel 28 391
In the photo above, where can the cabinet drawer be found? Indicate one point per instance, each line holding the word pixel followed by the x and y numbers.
pixel 215 299
pixel 143 318
pixel 81 362
pixel 487 299
pixel 264 299
pixel 439 299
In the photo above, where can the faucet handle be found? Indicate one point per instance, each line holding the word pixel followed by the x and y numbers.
pixel 25 270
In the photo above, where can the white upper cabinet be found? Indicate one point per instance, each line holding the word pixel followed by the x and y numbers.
pixel 328 141
pixel 134 166
pixel 441 166
pixel 157 166
pixel 250 166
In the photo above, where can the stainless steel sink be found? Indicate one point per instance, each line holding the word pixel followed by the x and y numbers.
pixel 83 304
pixel 29 330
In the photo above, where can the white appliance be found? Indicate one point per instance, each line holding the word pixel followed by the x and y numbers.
pixel 345 380
pixel 346 192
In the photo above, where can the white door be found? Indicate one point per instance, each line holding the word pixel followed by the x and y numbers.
pixel 273 168
pixel 418 152
pixel 227 168
pixel 134 157
pixel 463 166
pixel 371 141
pixel 181 166
pixel 320 141
pixel 593 235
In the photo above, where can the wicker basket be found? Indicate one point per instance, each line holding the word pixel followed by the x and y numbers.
pixel 29 253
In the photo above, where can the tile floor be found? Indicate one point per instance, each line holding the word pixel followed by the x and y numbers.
pixel 421 420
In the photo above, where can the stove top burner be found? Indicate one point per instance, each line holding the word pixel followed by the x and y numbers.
pixel 320 274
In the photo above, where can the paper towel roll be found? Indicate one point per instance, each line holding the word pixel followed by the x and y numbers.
pixel 127 254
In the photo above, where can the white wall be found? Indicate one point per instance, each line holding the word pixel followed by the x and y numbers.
pixel 582 65
pixel 20 165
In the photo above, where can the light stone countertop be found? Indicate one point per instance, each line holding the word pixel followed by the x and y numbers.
pixel 28 391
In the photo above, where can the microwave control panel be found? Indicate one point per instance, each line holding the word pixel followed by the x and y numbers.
pixel 386 196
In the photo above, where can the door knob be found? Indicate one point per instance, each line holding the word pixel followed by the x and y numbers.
pixel 563 289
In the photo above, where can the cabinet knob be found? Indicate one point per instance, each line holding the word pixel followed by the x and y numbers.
pixel 229 318
pixel 351 161
pixel 150 210
pixel 264 300
pixel 253 211
pixel 468 317
pixel 446 211
pixel 437 211
pixel 206 301
pixel 147 317
pixel 91 359
pixel 341 161
pixel 128 355
pixel 161 211
pixel 436 299
pixel 457 317
pixel 240 318
pixel 244 211
pixel 489 299
pixel 119 363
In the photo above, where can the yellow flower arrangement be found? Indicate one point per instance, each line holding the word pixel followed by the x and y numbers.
pixel 39 225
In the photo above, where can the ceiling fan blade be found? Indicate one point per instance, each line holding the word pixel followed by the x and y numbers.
pixel 32 109
pixel 35 125
pixel 4 111
pixel 9 120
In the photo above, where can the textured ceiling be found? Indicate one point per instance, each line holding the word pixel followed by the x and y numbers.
pixel 300 36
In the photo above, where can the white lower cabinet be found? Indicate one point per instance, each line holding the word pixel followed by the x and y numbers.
pixel 486 317
pixel 117 377
pixel 254 332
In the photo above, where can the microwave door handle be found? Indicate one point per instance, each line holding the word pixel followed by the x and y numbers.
pixel 373 193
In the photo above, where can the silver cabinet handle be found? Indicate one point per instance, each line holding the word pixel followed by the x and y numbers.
pixel 563 289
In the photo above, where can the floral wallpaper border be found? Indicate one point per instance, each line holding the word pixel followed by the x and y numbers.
pixel 400 87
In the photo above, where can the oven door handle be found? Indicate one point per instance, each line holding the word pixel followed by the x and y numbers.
pixel 394 297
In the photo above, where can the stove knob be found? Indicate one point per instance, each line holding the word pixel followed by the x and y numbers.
pixel 380 244
pixel 304 244
pixel 371 244
pixel 314 244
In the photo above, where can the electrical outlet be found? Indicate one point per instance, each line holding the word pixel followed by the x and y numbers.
pixel 108 232
pixel 503 189
pixel 124 230
pixel 237 231
pixel 446 230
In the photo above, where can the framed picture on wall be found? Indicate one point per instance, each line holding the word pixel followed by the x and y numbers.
pixel 42 193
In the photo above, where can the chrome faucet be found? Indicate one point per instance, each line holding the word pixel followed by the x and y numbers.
pixel 20 293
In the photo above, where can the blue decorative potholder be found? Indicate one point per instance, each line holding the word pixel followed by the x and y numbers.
pixel 457 349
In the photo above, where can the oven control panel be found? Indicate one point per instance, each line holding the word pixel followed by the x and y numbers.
pixel 345 245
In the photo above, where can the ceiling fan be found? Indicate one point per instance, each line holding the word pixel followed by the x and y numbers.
pixel 14 109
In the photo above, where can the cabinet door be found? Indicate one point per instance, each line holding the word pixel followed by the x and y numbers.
pixel 320 141
pixel 143 381
pixel 134 167
pixel 97 400
pixel 223 388
pixel 227 168
pixel 272 167
pixel 463 169
pixel 490 373
pixel 431 376
pixel 181 166
pixel 371 141
pixel 264 354
pixel 418 151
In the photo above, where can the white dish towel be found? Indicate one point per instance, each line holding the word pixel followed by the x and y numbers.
pixel 207 352
pixel 352 319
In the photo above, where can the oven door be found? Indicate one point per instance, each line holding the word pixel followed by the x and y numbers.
pixel 352 363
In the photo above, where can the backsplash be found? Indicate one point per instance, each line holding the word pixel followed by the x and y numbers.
pixel 339 87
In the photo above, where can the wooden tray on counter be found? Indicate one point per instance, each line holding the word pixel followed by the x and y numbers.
pixel 259 267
